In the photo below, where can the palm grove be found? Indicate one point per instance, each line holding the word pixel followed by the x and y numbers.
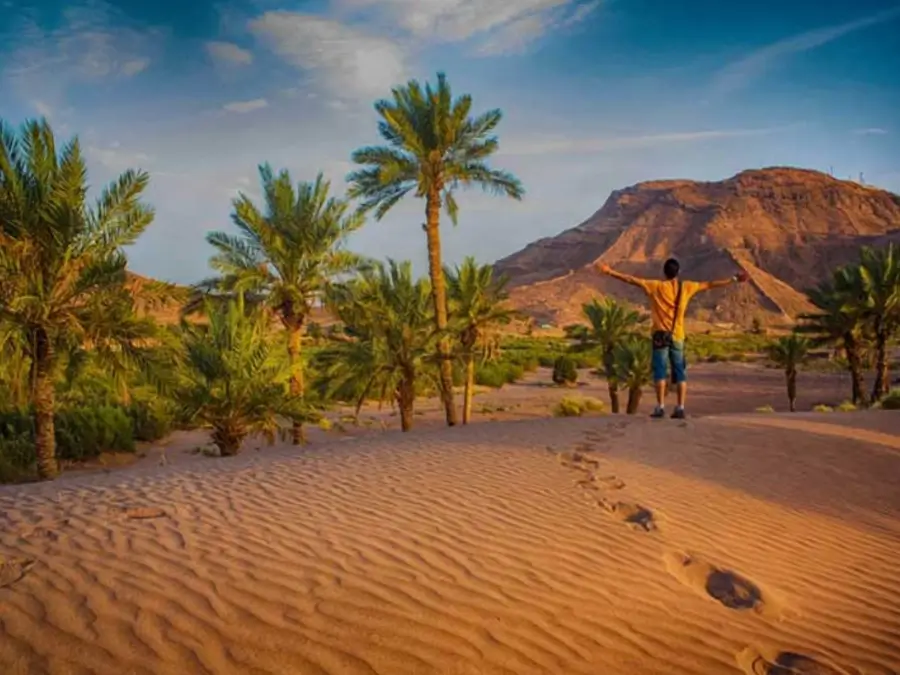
pixel 82 368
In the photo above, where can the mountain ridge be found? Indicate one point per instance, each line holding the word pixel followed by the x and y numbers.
pixel 788 227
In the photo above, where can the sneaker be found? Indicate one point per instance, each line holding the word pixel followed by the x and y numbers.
pixel 678 414
pixel 658 413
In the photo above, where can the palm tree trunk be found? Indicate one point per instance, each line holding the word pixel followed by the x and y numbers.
pixel 295 338
pixel 882 381
pixel 634 400
pixel 470 387
pixel 406 396
pixel 439 295
pixel 611 383
pixel 44 401
pixel 790 375
pixel 854 365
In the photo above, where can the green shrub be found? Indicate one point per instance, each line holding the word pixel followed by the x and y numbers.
pixel 151 420
pixel 576 406
pixel 497 373
pixel 822 408
pixel 586 359
pixel 564 370
pixel 17 456
pixel 846 406
pixel 765 409
pixel 891 401
pixel 81 433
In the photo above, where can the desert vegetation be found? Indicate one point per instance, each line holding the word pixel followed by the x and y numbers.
pixel 85 370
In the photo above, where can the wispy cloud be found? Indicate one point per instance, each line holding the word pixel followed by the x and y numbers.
pixel 243 107
pixel 870 131
pixel 347 61
pixel 569 145
pixel 742 72
pixel 42 109
pixel 114 158
pixel 90 44
pixel 502 26
pixel 229 54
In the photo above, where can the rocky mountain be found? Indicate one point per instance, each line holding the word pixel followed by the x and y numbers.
pixel 787 227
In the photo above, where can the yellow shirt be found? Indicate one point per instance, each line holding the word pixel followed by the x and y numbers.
pixel 662 296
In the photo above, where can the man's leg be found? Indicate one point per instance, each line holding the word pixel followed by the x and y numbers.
pixel 679 374
pixel 660 363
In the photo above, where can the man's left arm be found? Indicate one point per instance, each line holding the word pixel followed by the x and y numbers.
pixel 740 277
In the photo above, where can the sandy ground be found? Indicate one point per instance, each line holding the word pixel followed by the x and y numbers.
pixel 728 543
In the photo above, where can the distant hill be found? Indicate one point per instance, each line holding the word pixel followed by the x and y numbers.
pixel 789 228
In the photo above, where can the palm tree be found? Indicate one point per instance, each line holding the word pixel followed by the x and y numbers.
pixel 631 359
pixel 839 320
pixel 879 282
pixel 389 315
pixel 433 147
pixel 63 284
pixel 789 353
pixel 236 382
pixel 611 322
pixel 476 306
pixel 285 255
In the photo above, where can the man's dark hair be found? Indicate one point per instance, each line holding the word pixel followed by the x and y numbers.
pixel 670 269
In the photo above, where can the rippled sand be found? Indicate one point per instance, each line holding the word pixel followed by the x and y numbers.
pixel 756 544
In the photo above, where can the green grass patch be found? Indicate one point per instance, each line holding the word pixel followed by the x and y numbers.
pixel 577 406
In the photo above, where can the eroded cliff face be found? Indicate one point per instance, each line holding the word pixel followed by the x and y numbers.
pixel 788 227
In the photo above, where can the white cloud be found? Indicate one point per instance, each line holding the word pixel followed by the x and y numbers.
pixel 246 106
pixel 228 53
pixel 514 37
pixel 42 109
pixel 567 145
pixel 740 73
pixel 115 159
pixel 870 131
pixel 505 26
pixel 347 61
pixel 134 66
pixel 90 44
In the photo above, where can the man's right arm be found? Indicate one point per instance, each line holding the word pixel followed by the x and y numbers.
pixel 627 278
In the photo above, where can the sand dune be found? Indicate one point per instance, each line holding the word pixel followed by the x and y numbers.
pixel 612 545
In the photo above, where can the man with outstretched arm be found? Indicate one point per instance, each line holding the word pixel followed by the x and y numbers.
pixel 668 300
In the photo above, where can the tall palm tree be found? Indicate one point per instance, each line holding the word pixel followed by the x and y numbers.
pixel 433 147
pixel 611 322
pixel 631 359
pixel 476 305
pixel 879 281
pixel 63 283
pixel 839 320
pixel 285 255
pixel 789 353
pixel 389 315
pixel 236 384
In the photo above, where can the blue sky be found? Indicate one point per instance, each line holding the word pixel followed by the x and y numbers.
pixel 597 95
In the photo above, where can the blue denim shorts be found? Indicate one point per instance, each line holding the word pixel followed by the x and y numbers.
pixel 662 358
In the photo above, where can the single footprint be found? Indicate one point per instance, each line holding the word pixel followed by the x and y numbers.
pixel 785 663
pixel 595 482
pixel 13 569
pixel 634 514
pixel 610 482
pixel 578 461
pixel 728 588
